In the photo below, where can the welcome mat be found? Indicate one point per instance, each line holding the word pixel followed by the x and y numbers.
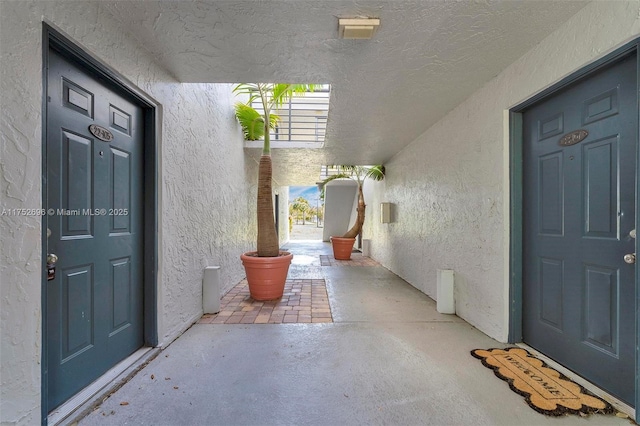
pixel 545 389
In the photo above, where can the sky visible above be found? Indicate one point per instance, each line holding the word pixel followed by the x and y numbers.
pixel 310 193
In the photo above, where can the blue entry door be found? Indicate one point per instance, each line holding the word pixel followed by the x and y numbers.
pixel 94 183
pixel 579 209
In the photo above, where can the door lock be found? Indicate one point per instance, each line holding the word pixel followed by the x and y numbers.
pixel 52 259
pixel 630 258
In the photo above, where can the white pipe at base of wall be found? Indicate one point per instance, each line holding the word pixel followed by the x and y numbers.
pixel 446 303
pixel 211 290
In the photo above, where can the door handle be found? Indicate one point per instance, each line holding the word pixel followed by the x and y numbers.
pixel 630 258
pixel 52 259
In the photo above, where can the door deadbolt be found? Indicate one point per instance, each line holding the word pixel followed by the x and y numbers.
pixel 52 259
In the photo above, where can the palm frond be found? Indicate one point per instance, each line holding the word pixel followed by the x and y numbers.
pixel 324 182
pixel 279 94
pixel 249 89
pixel 375 172
pixel 282 92
pixel 245 88
pixel 252 122
pixel 345 169
pixel 273 120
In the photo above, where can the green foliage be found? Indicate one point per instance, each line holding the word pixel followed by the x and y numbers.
pixel 375 172
pixel 357 173
pixel 272 96
pixel 252 122
pixel 301 205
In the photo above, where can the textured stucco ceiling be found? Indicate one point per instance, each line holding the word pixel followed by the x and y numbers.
pixel 426 58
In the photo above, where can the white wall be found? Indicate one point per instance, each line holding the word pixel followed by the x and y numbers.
pixel 207 213
pixel 450 186
pixel 283 200
pixel 373 192
pixel 339 207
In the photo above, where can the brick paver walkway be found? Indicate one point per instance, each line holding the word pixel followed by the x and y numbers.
pixel 357 259
pixel 304 301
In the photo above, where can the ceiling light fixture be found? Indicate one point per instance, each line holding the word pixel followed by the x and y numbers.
pixel 357 28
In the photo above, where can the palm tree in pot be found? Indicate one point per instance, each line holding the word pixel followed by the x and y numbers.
pixel 342 246
pixel 267 267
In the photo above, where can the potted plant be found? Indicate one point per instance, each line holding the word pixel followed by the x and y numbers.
pixel 343 246
pixel 267 267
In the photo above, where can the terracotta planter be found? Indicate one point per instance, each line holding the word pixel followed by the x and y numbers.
pixel 342 247
pixel 266 275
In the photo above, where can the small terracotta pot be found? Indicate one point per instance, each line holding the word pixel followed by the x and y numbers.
pixel 342 247
pixel 266 275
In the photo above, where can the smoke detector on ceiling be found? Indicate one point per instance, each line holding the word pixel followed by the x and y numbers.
pixel 357 28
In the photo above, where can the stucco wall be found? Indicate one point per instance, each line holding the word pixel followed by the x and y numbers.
pixel 206 207
pixel 450 186
pixel 283 213
pixel 205 219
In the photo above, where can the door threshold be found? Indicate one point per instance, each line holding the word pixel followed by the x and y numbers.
pixel 84 401
pixel 617 404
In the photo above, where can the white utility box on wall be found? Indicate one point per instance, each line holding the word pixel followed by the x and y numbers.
pixel 385 212
pixel 446 303
pixel 211 290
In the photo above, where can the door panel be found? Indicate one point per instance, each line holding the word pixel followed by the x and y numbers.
pixel 601 186
pixel 578 210
pixel 121 195
pixel 551 290
pixel 121 294
pixel 601 308
pixel 76 189
pixel 76 310
pixel 551 194
pixel 95 192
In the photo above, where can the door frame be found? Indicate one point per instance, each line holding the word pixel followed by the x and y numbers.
pixel 53 38
pixel 516 139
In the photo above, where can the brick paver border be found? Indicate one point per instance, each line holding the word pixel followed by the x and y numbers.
pixel 357 259
pixel 304 301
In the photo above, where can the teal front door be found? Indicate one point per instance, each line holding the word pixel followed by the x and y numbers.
pixel 94 220
pixel 579 172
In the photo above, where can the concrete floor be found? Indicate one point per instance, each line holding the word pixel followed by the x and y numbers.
pixel 389 358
